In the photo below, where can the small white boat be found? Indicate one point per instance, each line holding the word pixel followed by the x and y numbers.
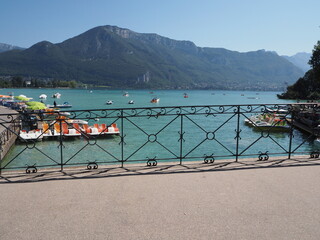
pixel 32 135
pixel 64 105
pixel 43 96
pixel 109 102
pixel 56 95
pixel 131 102
pixel 126 94
pixel 79 121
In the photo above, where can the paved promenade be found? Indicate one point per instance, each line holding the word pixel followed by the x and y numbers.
pixel 249 202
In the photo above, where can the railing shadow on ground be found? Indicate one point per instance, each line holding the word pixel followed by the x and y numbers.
pixel 75 173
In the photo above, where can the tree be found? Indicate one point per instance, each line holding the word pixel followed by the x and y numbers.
pixel 307 87
pixel 314 61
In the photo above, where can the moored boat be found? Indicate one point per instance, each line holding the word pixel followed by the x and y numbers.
pixel 43 96
pixel 268 122
pixel 56 95
pixel 31 135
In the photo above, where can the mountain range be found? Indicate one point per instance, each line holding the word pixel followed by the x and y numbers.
pixel 301 60
pixel 121 58
pixel 7 47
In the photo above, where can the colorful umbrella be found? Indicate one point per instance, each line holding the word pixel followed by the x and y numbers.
pixel 21 98
pixel 35 105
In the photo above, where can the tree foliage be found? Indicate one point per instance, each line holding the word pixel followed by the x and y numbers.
pixel 20 82
pixel 307 87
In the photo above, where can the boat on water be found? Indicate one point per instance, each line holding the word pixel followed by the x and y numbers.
pixel 31 135
pixel 126 94
pixel 56 95
pixel 64 105
pixel 43 96
pixel 155 100
pixel 185 95
pixel 77 128
pixel 109 102
pixel 269 122
pixel 131 102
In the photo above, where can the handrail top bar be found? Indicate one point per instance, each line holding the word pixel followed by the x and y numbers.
pixel 172 107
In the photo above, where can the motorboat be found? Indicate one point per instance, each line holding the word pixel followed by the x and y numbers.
pixel 131 102
pixel 185 95
pixel 56 95
pixel 269 122
pixel 43 96
pixel 126 94
pixel 64 105
pixel 155 100
pixel 109 102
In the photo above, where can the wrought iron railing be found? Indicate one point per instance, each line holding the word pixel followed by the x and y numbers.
pixel 149 136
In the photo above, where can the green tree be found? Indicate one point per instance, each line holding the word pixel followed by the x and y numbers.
pixel 307 87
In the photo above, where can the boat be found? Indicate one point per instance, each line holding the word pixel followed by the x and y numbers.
pixel 78 121
pixel 126 94
pixel 101 129
pixel 56 95
pixel 64 105
pixel 131 102
pixel 31 135
pixel 43 96
pixel 185 95
pixel 109 102
pixel 155 100
pixel 269 122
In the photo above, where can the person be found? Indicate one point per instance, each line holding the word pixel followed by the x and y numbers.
pixel 54 104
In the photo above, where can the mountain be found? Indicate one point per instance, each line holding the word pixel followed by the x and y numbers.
pixel 121 58
pixel 7 47
pixel 300 60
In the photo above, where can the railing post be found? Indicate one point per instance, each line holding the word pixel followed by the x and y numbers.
pixel 122 140
pixel 181 138
pixel 291 133
pixel 61 145
pixel 238 133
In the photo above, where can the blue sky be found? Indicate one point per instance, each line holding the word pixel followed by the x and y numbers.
pixel 284 26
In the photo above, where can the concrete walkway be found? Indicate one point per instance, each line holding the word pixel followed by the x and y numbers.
pixel 256 203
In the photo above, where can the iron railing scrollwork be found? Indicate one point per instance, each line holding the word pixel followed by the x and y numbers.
pixel 171 134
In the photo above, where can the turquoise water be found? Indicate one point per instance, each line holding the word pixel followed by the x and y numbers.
pixel 96 99
pixel 138 131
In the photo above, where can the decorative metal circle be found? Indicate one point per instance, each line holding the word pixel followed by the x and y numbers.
pixel 92 141
pixel 210 135
pixel 152 138
pixel 30 145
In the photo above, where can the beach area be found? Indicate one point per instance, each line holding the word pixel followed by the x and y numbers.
pixel 177 202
